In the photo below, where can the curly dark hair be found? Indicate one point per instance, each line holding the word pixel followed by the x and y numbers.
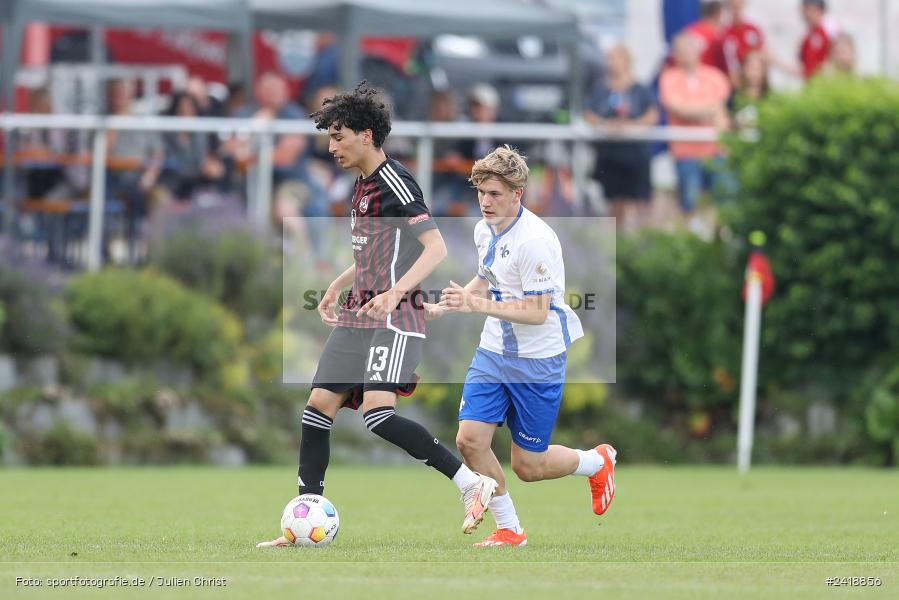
pixel 363 108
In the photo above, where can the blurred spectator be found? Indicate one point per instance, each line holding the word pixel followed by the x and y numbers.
pixel 135 157
pixel 207 105
pixel 694 95
pixel 40 151
pixel 708 30
pixel 190 161
pixel 41 155
pixel 324 70
pixel 452 191
pixel 237 99
pixel 483 104
pixel 296 193
pixel 815 48
pixel 623 168
pixel 752 88
pixel 322 168
pixel 740 37
pixel 456 200
pixel 842 55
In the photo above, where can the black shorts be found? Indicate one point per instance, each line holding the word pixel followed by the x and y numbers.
pixel 621 178
pixel 357 360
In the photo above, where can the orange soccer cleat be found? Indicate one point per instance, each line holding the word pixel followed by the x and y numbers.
pixel 476 497
pixel 602 483
pixel 504 537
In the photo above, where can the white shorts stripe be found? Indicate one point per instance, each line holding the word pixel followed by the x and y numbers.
pixel 392 356
pixel 394 374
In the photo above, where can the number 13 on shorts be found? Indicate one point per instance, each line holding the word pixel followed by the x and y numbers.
pixel 394 359
pixel 377 358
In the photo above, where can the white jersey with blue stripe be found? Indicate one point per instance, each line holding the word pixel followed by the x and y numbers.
pixel 525 259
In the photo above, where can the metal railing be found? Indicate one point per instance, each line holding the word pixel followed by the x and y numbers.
pixel 259 190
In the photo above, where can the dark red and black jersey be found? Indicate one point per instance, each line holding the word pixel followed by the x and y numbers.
pixel 387 216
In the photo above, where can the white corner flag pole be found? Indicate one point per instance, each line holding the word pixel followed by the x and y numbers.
pixel 750 371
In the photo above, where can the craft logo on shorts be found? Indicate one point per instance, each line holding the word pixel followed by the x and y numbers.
pixel 529 438
pixel 363 205
pixel 419 218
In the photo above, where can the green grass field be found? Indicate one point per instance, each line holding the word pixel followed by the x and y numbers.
pixel 671 533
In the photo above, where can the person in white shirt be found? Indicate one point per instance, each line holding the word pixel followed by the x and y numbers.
pixel 518 370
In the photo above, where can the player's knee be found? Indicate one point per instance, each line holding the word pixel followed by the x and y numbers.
pixel 469 444
pixel 325 401
pixel 527 471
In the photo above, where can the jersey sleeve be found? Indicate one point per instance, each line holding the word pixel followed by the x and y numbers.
pixel 404 202
pixel 478 236
pixel 538 258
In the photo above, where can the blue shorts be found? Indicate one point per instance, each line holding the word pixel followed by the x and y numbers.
pixel 524 392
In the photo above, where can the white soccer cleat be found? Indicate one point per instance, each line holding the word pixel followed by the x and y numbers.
pixel 279 542
pixel 476 497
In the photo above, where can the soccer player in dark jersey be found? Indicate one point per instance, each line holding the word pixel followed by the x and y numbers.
pixel 379 330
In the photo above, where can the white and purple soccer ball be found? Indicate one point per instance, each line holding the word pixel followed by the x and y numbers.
pixel 310 520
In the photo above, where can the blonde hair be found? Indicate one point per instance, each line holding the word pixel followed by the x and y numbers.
pixel 504 164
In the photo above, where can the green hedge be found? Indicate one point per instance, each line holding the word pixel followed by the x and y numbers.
pixel 30 321
pixel 138 316
pixel 235 266
pixel 680 326
pixel 823 182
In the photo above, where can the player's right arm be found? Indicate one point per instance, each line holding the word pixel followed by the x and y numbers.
pixel 332 294
pixel 477 286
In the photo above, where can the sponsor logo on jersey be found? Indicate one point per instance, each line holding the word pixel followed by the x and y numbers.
pixel 359 241
pixel 419 218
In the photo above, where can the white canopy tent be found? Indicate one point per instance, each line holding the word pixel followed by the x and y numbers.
pixel 351 19
pixel 232 16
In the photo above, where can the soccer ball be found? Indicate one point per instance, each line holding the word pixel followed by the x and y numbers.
pixel 310 520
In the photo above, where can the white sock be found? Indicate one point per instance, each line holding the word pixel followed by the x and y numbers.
pixel 464 477
pixel 504 512
pixel 589 462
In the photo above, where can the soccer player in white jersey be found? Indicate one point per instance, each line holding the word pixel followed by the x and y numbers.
pixel 518 370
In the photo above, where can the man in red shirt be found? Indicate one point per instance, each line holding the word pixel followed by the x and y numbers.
pixel 815 46
pixel 708 30
pixel 740 38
